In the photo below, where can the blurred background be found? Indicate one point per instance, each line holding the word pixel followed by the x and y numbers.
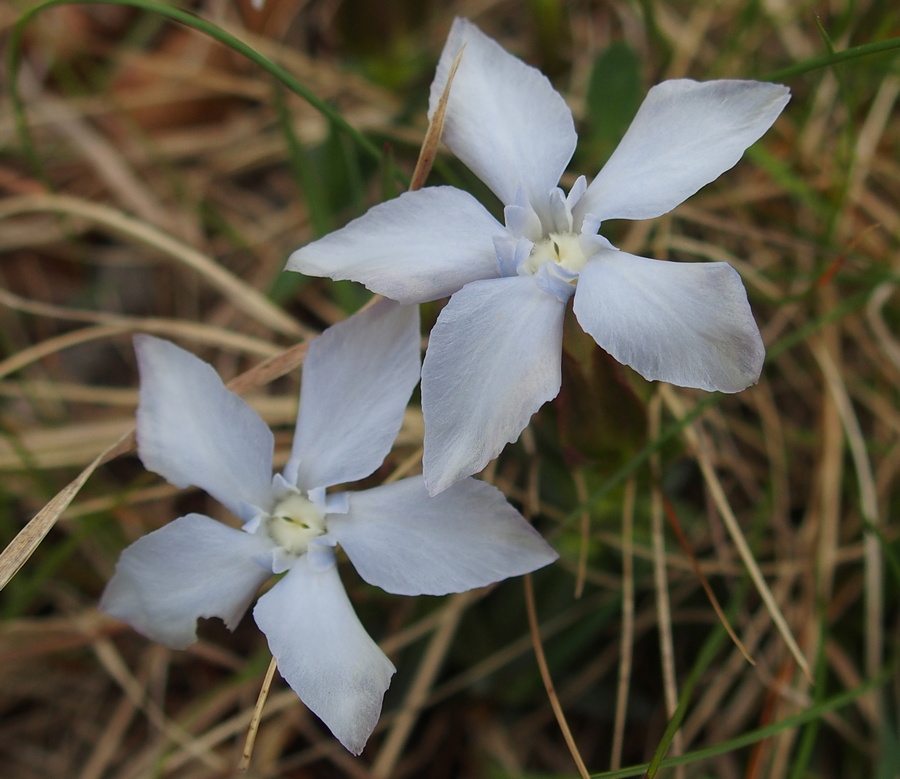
pixel 155 176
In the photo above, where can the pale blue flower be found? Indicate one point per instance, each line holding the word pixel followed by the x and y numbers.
pixel 494 355
pixel 357 379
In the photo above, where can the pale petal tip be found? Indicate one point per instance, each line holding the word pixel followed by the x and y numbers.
pixel 323 651
pixel 748 353
pixel 437 479
pixel 123 600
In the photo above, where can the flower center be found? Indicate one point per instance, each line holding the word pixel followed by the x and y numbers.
pixel 294 523
pixel 562 248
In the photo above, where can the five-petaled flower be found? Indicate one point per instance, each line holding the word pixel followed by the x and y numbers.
pixel 357 379
pixel 494 354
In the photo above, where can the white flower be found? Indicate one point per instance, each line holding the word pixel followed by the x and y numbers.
pixel 357 379
pixel 494 355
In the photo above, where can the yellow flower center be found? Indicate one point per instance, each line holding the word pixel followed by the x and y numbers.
pixel 294 523
pixel 562 248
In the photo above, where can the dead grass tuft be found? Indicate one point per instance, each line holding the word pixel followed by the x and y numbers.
pixel 176 177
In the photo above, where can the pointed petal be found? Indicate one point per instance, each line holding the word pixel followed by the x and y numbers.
pixel 408 543
pixel 357 379
pixel 193 567
pixel 686 323
pixel 493 359
pixel 192 430
pixel 685 135
pixel 504 119
pixel 323 651
pixel 420 246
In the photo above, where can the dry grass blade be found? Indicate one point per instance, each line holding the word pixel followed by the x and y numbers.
pixel 428 152
pixel 57 344
pixel 74 444
pixel 183 186
pixel 584 523
pixel 246 298
pixel 719 498
pixel 253 729
pixel 626 640
pixel 106 161
pixel 29 537
pixel 882 294
pixel 115 665
pixel 179 328
pixel 868 505
pixel 704 582
pixel 386 762
pixel 548 679
pixel 267 371
pixel 661 591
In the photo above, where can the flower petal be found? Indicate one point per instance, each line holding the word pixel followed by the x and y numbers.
pixel 408 543
pixel 192 430
pixel 493 359
pixel 686 323
pixel 357 379
pixel 193 567
pixel 323 651
pixel 504 119
pixel 420 246
pixel 685 134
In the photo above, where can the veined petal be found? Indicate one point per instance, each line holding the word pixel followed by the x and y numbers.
pixel 686 323
pixel 504 119
pixel 193 567
pixel 493 359
pixel 192 430
pixel 420 246
pixel 686 134
pixel 323 651
pixel 357 379
pixel 408 543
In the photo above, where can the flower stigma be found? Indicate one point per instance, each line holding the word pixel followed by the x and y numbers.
pixel 562 248
pixel 294 523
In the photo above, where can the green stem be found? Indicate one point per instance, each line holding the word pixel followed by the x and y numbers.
pixel 827 60
pixel 710 647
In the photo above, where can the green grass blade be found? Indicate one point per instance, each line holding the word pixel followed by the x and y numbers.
pixel 195 23
pixel 829 60
pixel 815 712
